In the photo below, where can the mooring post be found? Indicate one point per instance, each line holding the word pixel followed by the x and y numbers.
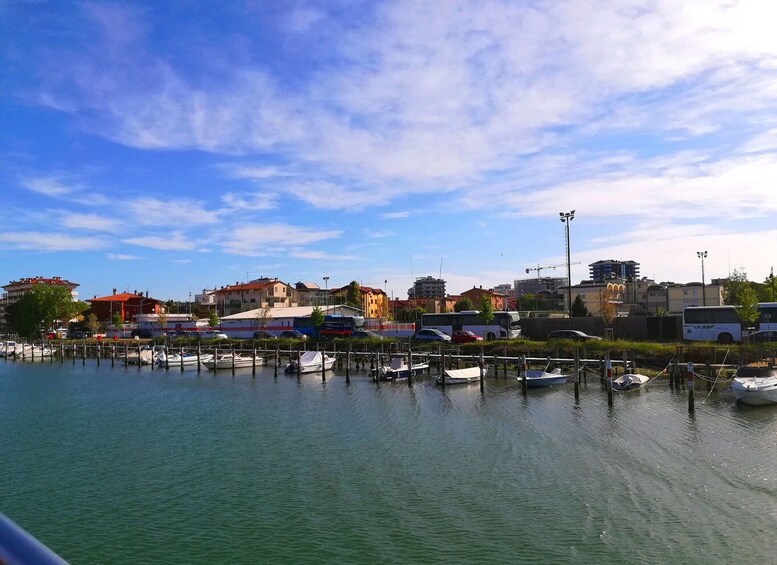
pixel 166 353
pixel 233 360
pixel 180 353
pixel 708 370
pixel 113 355
pixel 277 361
pixel 323 365
pixel 199 356
pixel 253 362
pixel 140 363
pixel 348 365
pixel 409 366
pixel 98 354
pixel 689 384
pixel 442 368
pixel 376 374
pixel 61 353
pixel 482 364
pixel 576 374
pixel 524 369
pixel 299 363
pixel 680 380
pixel 458 353
pixel 608 380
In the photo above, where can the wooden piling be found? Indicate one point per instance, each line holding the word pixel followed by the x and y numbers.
pixel 576 375
pixel 608 380
pixel 523 374
pixel 689 384
pixel 409 366
pixel 348 366
pixel 199 357
pixel 442 368
pixel 482 370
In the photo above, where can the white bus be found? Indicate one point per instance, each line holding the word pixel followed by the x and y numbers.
pixel 503 325
pixel 722 323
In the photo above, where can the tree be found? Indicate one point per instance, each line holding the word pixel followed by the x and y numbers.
pixel 161 320
pixel 607 309
pixel 92 323
pixel 579 309
pixel 486 309
pixel 317 316
pixel 529 301
pixel 117 320
pixel 41 307
pixel 213 319
pixel 463 304
pixel 353 295
pixel 733 287
pixel 748 310
pixel 263 315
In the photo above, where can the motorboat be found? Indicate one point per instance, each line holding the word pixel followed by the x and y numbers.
pixel 755 386
pixel 8 348
pixel 537 378
pixel 461 376
pixel 230 360
pixel 398 369
pixel 143 356
pixel 311 362
pixel 629 381
pixel 186 359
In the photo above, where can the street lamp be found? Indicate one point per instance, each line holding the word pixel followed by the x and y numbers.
pixel 326 292
pixel 702 255
pixel 565 218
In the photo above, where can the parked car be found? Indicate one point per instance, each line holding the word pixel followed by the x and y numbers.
pixel 142 334
pixel 212 334
pixel 264 334
pixel 430 334
pixel 574 335
pixel 77 335
pixel 764 336
pixel 465 336
pixel 292 334
pixel 366 334
pixel 334 329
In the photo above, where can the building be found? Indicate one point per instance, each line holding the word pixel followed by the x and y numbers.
pixel 539 285
pixel 672 298
pixel 14 290
pixel 476 294
pixel 258 293
pixel 612 269
pixel 427 287
pixel 207 299
pixel 127 305
pixel 374 301
pixel 310 294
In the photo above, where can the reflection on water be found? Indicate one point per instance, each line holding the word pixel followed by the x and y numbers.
pixel 125 465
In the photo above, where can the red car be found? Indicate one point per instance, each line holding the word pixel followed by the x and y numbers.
pixel 465 336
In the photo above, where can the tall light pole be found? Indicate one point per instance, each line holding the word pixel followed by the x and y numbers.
pixel 702 255
pixel 326 292
pixel 565 218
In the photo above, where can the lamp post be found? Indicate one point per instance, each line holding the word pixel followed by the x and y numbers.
pixel 565 218
pixel 326 293
pixel 702 255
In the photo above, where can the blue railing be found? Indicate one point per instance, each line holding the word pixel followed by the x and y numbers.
pixel 17 547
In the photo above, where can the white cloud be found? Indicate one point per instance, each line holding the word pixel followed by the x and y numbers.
pixel 174 241
pixel 122 257
pixel 379 234
pixel 395 215
pixel 173 212
pixel 90 222
pixel 271 239
pixel 47 186
pixel 53 241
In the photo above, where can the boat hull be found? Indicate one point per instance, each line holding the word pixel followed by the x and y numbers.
pixel 542 379
pixel 754 391
pixel 460 376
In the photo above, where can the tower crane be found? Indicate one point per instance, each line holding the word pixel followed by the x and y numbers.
pixel 539 268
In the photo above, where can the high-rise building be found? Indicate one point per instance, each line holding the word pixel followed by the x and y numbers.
pixel 427 287
pixel 14 290
pixel 611 269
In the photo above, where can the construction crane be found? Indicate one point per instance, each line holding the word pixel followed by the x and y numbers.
pixel 539 268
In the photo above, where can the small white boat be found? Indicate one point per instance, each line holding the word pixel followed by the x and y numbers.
pixel 629 381
pixel 755 386
pixel 39 352
pixel 311 362
pixel 397 369
pixel 461 376
pixel 189 359
pixel 229 360
pixel 7 348
pixel 145 356
pixel 536 378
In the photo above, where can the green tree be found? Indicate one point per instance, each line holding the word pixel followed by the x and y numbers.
pixel 117 320
pixel 529 301
pixel 92 323
pixel 353 295
pixel 263 316
pixel 734 286
pixel 317 316
pixel 748 306
pixel 486 309
pixel 39 308
pixel 579 309
pixel 213 319
pixel 463 304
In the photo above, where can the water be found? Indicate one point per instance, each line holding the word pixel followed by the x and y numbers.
pixel 126 466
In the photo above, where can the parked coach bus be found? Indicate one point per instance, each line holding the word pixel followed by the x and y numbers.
pixel 722 323
pixel 503 325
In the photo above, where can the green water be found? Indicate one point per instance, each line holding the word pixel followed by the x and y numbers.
pixel 126 466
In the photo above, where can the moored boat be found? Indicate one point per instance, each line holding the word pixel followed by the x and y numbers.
pixel 230 360
pixel 629 381
pixel 187 359
pixel 311 362
pixel 538 378
pixel 461 376
pixel 398 369
pixel 755 386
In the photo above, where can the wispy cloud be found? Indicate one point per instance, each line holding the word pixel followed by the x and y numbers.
pixel 174 241
pixel 270 239
pixel 49 241
pixel 122 257
pixel 89 222
pixel 379 234
pixel 172 212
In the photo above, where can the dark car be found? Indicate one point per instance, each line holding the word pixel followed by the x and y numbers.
pixel 292 334
pixel 366 334
pixel 574 335
pixel 77 335
pixel 465 336
pixel 143 334
pixel 334 329
pixel 430 334
pixel 264 334
pixel 764 336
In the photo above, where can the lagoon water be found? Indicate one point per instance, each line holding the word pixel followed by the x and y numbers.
pixel 132 466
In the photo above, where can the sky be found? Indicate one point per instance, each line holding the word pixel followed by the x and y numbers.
pixel 168 147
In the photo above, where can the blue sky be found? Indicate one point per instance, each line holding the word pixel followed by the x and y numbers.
pixel 172 146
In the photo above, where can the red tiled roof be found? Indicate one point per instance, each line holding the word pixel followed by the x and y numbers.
pixel 248 286
pixel 121 297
